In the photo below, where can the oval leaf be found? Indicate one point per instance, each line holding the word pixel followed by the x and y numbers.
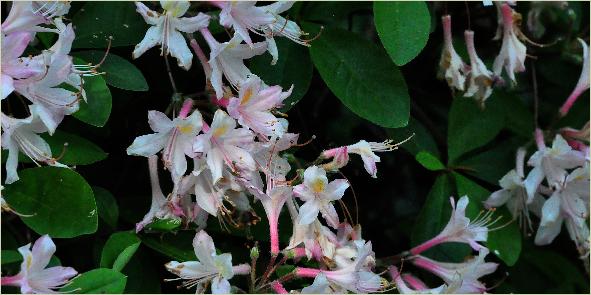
pixel 107 206
pixel 118 71
pixel 97 109
pixel 60 201
pixel 119 249
pixel 98 281
pixel 362 77
pixel 429 161
pixel 403 27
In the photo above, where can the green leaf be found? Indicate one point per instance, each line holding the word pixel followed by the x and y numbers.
pixel 107 206
pixel 362 76
pixel 432 219
pixel 10 256
pixel 403 27
pixel 97 109
pixel 143 274
pixel 504 242
pixel 119 249
pixel 470 127
pixel 79 151
pixel 429 161
pixel 293 67
pixel 421 141
pixel 119 72
pixel 97 281
pixel 177 246
pixel 97 21
pixel 60 201
pixel 164 224
pixel 518 118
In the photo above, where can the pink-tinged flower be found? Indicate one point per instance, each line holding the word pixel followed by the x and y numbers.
pixel 252 108
pixel 480 79
pixel 34 277
pixel 512 55
pixel 355 277
pixel 159 208
pixel 22 135
pixel 166 30
pixel 211 267
pixel 318 194
pixel 28 15
pixel 403 281
pixel 467 272
pixel 228 59
pixel 267 158
pixel 551 163
pixel 223 144
pixel 364 149
pixel 13 67
pixel 460 229
pixel 582 84
pixel 451 66
pixel 175 137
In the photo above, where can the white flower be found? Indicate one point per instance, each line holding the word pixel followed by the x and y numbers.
pixel 480 79
pixel 582 84
pixel 318 194
pixel 34 277
pixel 340 155
pixel 512 55
pixel 165 29
pixel 22 135
pixel 451 66
pixel 175 137
pixel 28 15
pixel 211 267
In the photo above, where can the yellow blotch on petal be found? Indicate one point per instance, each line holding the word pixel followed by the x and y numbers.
pixel 318 185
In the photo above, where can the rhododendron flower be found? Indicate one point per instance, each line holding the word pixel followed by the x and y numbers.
pixel 228 59
pixel 13 46
pixel 480 79
pixel 224 143
pixel 512 54
pixel 319 286
pixel 166 30
pixel 28 15
pixel 364 149
pixel 266 155
pixel 318 194
pixel 34 277
pixel 211 267
pixel 175 137
pixel 22 135
pixel 467 272
pixel 417 286
pixel 451 66
pixel 460 229
pixel 582 84
pixel 253 107
pixel 551 163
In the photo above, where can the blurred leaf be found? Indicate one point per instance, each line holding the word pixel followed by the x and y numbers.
pixel 97 281
pixel 178 246
pixel 97 109
pixel 79 151
pixel 504 242
pixel 119 249
pixel 403 27
pixel 97 21
pixel 164 225
pixel 470 127
pixel 10 256
pixel 107 206
pixel 60 201
pixel 362 77
pixel 429 161
pixel 120 73
pixel 421 141
pixel 293 67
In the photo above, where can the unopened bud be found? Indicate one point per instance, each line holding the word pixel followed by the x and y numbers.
pixel 254 252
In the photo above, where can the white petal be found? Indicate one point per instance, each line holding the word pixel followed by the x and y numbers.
pixel 192 24
pixel 148 145
pixel 308 212
pixel 498 198
pixel 159 122
pixel 336 189
pixel 152 38
pixel 42 251
pixel 532 182
pixel 204 248
pixel 220 286
pixel 180 50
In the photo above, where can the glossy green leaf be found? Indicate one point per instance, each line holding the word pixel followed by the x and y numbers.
pixel 79 151
pixel 118 71
pixel 504 242
pixel 97 281
pixel 403 27
pixel 164 224
pixel 177 246
pixel 429 161
pixel 60 201
pixel 97 109
pixel 362 76
pixel 119 249
pixel 293 67
pixel 106 205
pixel 470 127
pixel 97 21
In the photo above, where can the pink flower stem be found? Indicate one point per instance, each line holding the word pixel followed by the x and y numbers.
pixel 202 58
pixel 274 231
pixel 539 137
pixel 507 17
pixel 241 269
pixel 427 265
pixel 414 282
pixel 304 272
pixel 570 101
pixel 427 245
pixel 446 23
pixel 186 108
pixel 278 287
pixel 10 281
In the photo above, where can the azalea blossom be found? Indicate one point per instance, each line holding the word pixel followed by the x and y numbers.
pixel 23 135
pixel 166 30
pixel 266 155
pixel 467 272
pixel 318 194
pixel 13 67
pixel 480 79
pixel 211 267
pixel 26 16
pixel 253 107
pixel 403 281
pixel 451 66
pixel 513 52
pixel 340 155
pixel 34 277
pixel 175 137
pixel 228 59
pixel 460 228
pixel 223 143
pixel 582 84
